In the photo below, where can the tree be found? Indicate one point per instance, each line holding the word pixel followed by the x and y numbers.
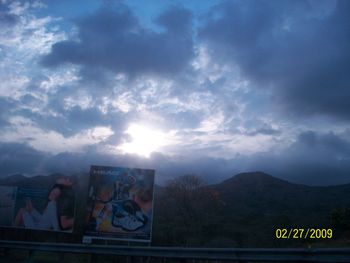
pixel 341 219
pixel 186 206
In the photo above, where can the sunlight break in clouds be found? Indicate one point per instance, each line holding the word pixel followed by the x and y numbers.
pixel 144 140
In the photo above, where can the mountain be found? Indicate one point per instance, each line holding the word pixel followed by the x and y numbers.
pixel 250 207
pixel 12 179
pixel 264 195
pixel 38 181
pixel 256 204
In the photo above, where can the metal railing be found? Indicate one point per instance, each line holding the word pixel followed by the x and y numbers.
pixel 212 254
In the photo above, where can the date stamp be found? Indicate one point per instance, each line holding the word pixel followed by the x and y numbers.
pixel 304 233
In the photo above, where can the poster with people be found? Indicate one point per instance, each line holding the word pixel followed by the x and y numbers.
pixel 120 203
pixel 51 208
pixel 7 204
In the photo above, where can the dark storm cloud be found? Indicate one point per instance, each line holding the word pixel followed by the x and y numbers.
pixel 19 158
pixel 256 127
pixel 6 18
pixel 96 79
pixel 182 119
pixel 6 107
pixel 113 39
pixel 68 121
pixel 325 144
pixel 72 121
pixel 252 127
pixel 315 159
pixel 299 49
pixel 266 130
pixel 176 20
pixel 29 100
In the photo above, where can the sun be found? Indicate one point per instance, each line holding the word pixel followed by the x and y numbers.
pixel 144 140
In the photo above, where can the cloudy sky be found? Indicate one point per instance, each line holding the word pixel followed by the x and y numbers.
pixel 206 87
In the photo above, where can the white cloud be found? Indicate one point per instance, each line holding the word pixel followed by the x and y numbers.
pixel 81 99
pixel 24 130
pixel 21 45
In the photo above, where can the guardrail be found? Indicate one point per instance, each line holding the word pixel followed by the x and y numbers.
pixel 215 254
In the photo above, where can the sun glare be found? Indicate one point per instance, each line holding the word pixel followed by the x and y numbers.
pixel 144 140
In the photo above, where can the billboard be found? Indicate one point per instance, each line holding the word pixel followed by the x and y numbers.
pixel 120 203
pixel 51 208
pixel 7 204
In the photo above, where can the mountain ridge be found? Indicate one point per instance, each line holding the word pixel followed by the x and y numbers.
pixel 254 177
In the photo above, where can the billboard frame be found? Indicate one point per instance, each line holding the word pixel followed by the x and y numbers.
pixel 88 237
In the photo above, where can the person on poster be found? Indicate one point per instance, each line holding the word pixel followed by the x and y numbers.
pixel 58 214
pixel 66 203
pixel 29 216
pixel 144 199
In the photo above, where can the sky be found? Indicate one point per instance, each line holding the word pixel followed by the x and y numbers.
pixel 212 88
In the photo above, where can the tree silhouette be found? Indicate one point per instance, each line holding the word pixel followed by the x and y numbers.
pixel 186 206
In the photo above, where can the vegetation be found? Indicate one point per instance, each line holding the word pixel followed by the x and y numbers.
pixel 243 211
pixel 184 210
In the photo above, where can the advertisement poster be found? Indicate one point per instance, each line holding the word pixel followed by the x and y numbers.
pixel 51 208
pixel 120 203
pixel 7 204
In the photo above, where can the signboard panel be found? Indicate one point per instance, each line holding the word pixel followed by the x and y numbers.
pixel 51 208
pixel 120 203
pixel 7 204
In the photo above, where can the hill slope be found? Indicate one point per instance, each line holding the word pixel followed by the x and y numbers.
pixel 264 195
pixel 256 204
